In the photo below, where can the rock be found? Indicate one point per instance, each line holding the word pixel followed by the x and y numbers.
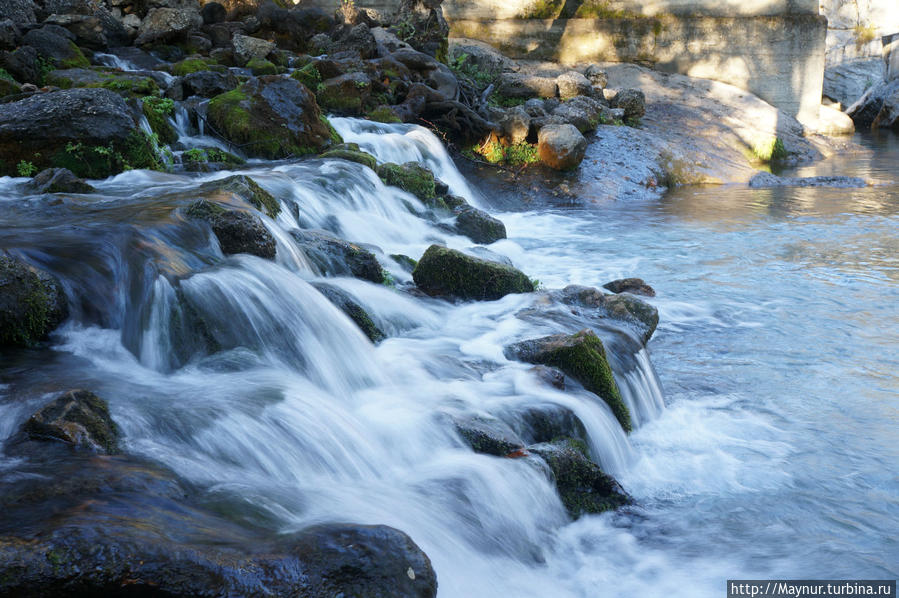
pixel 359 40
pixel 583 487
pixel 573 84
pixel 488 436
pixel 237 231
pixel 479 56
pixel 8 87
pixel 79 418
pixel 597 76
pixel 535 108
pixel 848 81
pixel 335 257
pixel 23 64
pixel 634 286
pixel 639 315
pixel 583 112
pixel 10 36
pixel 478 225
pixel 447 272
pixel 763 180
pixel 831 122
pixel 867 108
pixel 581 356
pixel 247 48
pixel 209 159
pixel 357 156
pixel 20 12
pixel 345 94
pixel 519 85
pixel 550 422
pixel 515 125
pixel 128 84
pixel 410 177
pixel 207 84
pixel 404 261
pixel 271 117
pixel 259 67
pixel 421 24
pixel 888 117
pixel 164 24
pixel 352 309
pixel 57 180
pixel 40 128
pixel 550 376
pixel 245 188
pixel 633 101
pixel 57 45
pixel 32 303
pixel 212 13
pixel 561 147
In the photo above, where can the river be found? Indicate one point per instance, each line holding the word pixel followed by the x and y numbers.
pixel 766 445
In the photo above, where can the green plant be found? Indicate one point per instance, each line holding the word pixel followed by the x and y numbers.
pixel 464 68
pixel 308 76
pixel 6 76
pixel 499 100
pixel 26 168
pixel 769 150
pixel 44 68
pixel 161 106
pixel 405 30
pixel 195 155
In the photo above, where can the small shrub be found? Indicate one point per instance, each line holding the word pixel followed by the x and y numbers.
pixel 26 169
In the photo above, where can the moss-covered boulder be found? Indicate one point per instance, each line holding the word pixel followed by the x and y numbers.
pixel 635 286
pixel 89 131
pixel 158 110
pixel 638 315
pixel 478 225
pixel 260 66
pixel 195 64
pixel 236 231
pixel 352 309
pixel 488 435
pixel 209 159
pixel 344 94
pixel 129 85
pixel 582 485
pixel 57 180
pixel 56 47
pixel 78 417
pixel 447 272
pixel 410 177
pixel 333 256
pixel 271 117
pixel 245 188
pixel 357 156
pixel 32 303
pixel 581 356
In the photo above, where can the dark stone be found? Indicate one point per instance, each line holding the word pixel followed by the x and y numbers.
pixel 583 487
pixel 359 40
pixel 345 94
pixel 478 225
pixel 32 303
pixel 550 376
pixel 20 12
pixel 581 356
pixel 763 180
pixel 57 180
pixel 207 84
pixel 632 101
pixel 335 257
pixel 488 436
pixel 57 45
pixel 352 309
pixel 237 231
pixel 639 315
pixel 9 35
pixel 79 418
pixel 212 13
pixel 23 64
pixel 549 423
pixel 635 286
pixel 246 189
pixel 447 272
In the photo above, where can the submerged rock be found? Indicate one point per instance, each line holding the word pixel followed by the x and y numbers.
pixel 57 180
pixel 356 155
pixel 247 189
pixel 352 309
pixel 581 356
pixel 447 272
pixel 489 436
pixel 478 225
pixel 32 303
pixel 635 286
pixel 79 418
pixel 561 147
pixel 335 257
pixel 236 231
pixel 582 485
pixel 762 180
pixel 642 317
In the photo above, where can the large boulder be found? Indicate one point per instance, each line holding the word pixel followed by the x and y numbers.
pixel 165 24
pixel 410 177
pixel 333 256
pixel 638 315
pixel 247 48
pixel 582 357
pixel 237 231
pixel 207 84
pixel 446 272
pixel 21 12
pixel 488 436
pixel 57 180
pixel 89 131
pixel 342 301
pixel 520 85
pixel 561 147
pixel 32 303
pixel 79 418
pixel 478 225
pixel 56 45
pixel 271 117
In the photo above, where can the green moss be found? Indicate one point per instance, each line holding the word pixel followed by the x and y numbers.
pixel 769 150
pixel 497 99
pixel 190 65
pixel 6 76
pixel 493 151
pixel 544 9
pixel 76 60
pixel 383 114
pixel 405 261
pixel 260 66
pixel 308 76
pixel 582 485
pixel 136 87
pixel 353 156
pixel 157 110
pixel 443 271
pixel 333 135
pixel 410 177
pixel 93 161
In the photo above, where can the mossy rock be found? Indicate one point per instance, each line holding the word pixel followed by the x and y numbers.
pixel 488 436
pixel 410 177
pixel 352 309
pixel 406 262
pixel 446 272
pixel 32 303
pixel 79 418
pixel 195 65
pixel 357 156
pixel 335 257
pixel 158 110
pixel 478 225
pixel 271 117
pixel 383 114
pixel 582 485
pixel 247 189
pixel 345 94
pixel 206 159
pixel 129 85
pixel 260 66
pixel 100 161
pixel 237 231
pixel 640 316
pixel 308 75
pixel 581 356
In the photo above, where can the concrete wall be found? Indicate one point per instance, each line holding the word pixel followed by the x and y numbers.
pixel 780 59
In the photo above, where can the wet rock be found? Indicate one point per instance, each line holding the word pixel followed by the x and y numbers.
pixel 478 225
pixel 57 45
pixel 549 423
pixel 561 147
pixel 489 436
pixel 763 180
pixel 447 272
pixel 207 84
pixel 57 180
pixel 633 101
pixel 582 112
pixel 128 85
pixel 165 24
pixel 271 117
pixel 583 487
pixel 79 418
pixel 247 189
pixel 410 177
pixel 345 94
pixel 573 84
pixel 550 376
pixel 335 257
pixel 32 303
pixel 639 315
pixel 404 261
pixel 634 286
pixel 581 356
pixel 520 85
pixel 236 231
pixel 345 303
pixel 247 48
pixel 357 156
